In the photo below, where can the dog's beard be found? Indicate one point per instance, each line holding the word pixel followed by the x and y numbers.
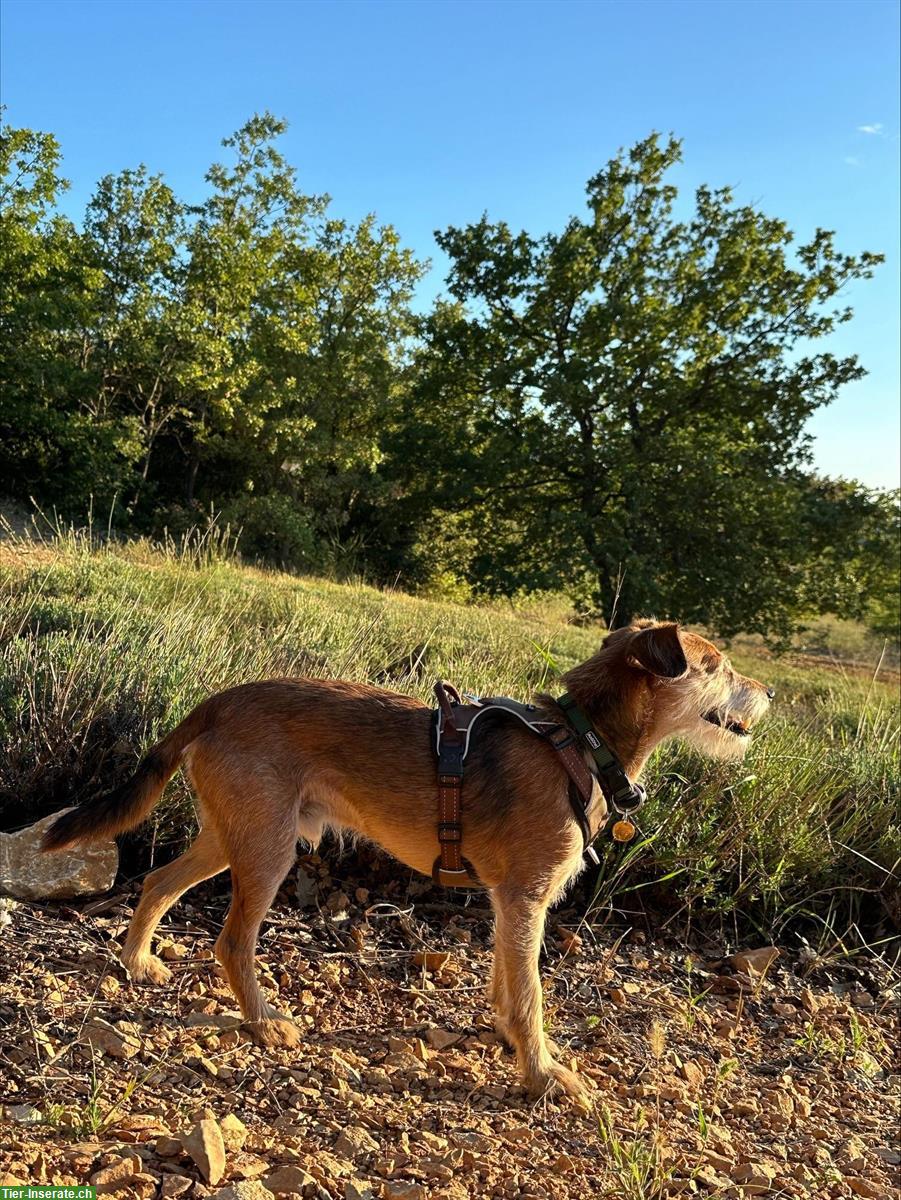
pixel 716 741
pixel 710 712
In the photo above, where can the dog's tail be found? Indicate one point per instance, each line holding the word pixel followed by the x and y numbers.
pixel 128 805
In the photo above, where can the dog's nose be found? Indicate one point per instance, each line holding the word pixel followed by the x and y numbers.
pixel 771 693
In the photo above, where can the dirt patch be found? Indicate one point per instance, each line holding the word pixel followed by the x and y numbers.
pixel 709 1079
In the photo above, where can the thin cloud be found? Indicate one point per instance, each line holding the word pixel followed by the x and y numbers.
pixel 852 161
pixel 875 128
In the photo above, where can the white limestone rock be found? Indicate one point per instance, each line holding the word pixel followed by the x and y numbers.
pixel 28 874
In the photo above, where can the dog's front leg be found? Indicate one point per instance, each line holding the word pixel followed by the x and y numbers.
pixel 497 985
pixel 520 922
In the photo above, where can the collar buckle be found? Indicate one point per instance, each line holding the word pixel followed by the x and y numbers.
pixel 629 799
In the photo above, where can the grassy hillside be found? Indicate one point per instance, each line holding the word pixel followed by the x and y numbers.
pixel 102 648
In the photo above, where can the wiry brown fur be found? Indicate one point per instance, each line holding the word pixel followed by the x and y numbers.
pixel 275 761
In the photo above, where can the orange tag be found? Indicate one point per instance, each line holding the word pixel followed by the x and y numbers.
pixel 623 831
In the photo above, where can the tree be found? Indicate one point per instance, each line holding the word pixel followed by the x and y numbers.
pixel 49 446
pixel 855 553
pixel 289 326
pixel 636 391
pixel 134 229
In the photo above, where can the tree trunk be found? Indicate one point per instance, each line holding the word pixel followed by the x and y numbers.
pixel 192 477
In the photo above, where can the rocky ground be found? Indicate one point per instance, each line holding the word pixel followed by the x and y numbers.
pixel 714 1076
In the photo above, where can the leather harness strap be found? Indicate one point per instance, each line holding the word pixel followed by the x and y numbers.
pixel 565 744
pixel 450 868
pixel 454 723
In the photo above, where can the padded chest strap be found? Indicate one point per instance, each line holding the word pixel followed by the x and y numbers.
pixel 450 868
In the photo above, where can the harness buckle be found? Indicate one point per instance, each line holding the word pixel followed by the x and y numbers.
pixel 568 739
pixel 450 760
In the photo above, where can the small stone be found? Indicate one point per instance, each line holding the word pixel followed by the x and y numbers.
pixel 114 1175
pixel 288 1179
pixel 173 1186
pixel 563 1163
pixel 475 1142
pixel 862 1187
pixel 24 1114
pixel 718 1162
pixel 306 888
pixel 173 952
pixel 205 1146
pixel 404 1063
pixel 168 1147
pixel 329 1166
pixel 692 1074
pixel 755 962
pixel 617 997
pixel 143 1184
pixel 109 1040
pixel 441 1039
pixel 752 1173
pixel 234 1132
pixel 138 1123
pixel 403 1189
pixel 746 1108
pixel 244 1189
pixel 571 942
pixel 431 960
pixel 809 1000
pixel 520 1134
pixel 358 1189
pixel 354 1142
pixel 242 1165
pixel 337 904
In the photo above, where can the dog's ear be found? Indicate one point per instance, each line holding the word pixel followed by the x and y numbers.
pixel 659 650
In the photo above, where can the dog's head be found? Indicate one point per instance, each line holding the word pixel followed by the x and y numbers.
pixel 655 680
pixel 691 689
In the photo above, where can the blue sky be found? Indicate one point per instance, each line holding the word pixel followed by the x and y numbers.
pixel 429 113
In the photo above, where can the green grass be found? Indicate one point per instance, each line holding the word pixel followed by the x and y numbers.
pixel 104 647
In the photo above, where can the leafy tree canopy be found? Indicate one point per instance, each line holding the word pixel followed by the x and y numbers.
pixel 630 402
pixel 617 409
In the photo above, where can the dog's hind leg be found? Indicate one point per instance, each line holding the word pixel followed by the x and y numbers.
pixel 260 859
pixel 203 859
pixel 520 923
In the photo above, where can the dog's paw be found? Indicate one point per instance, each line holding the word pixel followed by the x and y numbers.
pixel 557 1078
pixel 146 968
pixel 502 1033
pixel 273 1031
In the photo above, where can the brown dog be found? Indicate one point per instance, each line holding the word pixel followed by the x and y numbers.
pixel 280 760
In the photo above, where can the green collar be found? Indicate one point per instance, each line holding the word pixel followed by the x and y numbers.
pixel 620 792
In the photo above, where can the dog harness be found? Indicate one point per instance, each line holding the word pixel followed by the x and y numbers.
pixel 454 723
